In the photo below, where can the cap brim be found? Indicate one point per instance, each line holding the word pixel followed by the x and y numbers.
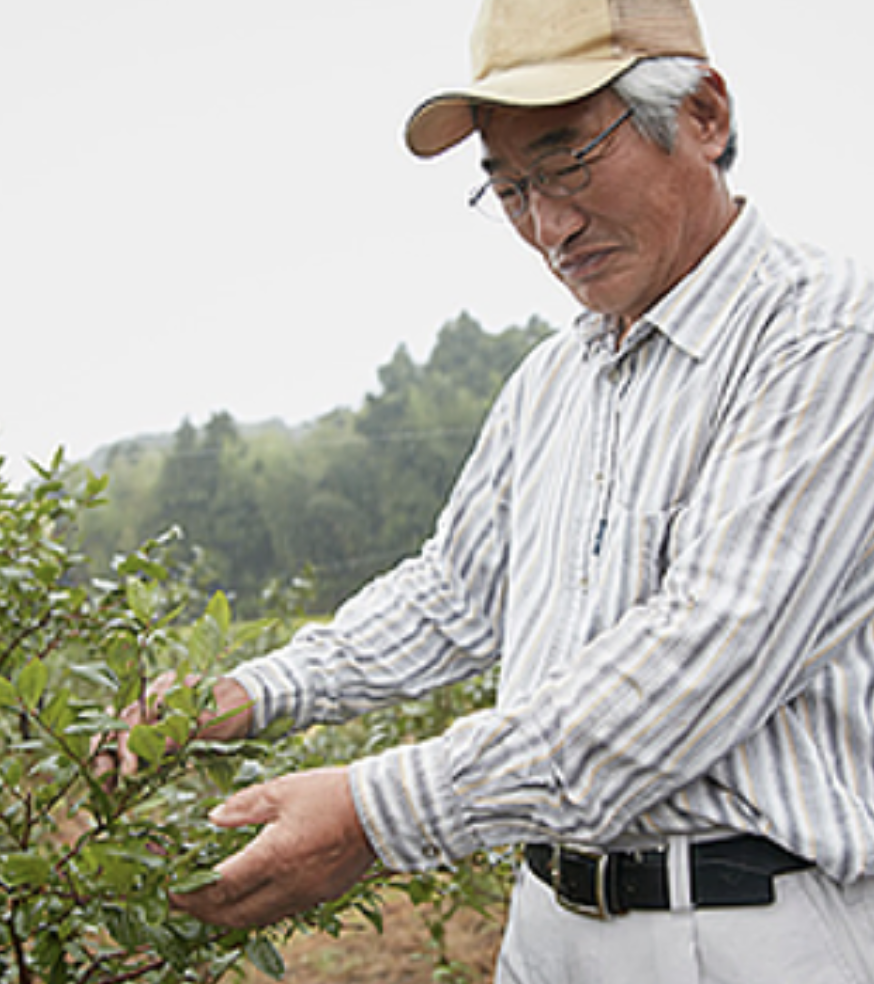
pixel 447 119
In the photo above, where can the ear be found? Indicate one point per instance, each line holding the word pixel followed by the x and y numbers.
pixel 709 111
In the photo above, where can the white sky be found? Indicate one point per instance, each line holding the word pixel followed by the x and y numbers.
pixel 206 204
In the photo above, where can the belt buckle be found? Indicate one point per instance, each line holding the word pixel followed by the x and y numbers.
pixel 599 910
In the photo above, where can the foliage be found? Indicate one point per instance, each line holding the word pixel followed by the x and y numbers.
pixel 346 496
pixel 87 859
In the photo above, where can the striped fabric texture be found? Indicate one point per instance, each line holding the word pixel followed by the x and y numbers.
pixel 670 549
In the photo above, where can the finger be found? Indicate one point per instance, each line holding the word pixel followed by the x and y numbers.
pixel 127 761
pixel 249 893
pixel 147 710
pixel 212 905
pixel 255 805
pixel 105 768
pixel 232 714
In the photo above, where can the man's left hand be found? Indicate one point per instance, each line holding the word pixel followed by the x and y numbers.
pixel 311 850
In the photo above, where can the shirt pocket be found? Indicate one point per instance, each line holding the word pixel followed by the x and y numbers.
pixel 635 556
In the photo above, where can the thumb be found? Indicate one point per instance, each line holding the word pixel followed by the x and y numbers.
pixel 251 806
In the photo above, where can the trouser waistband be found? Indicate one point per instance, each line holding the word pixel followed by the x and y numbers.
pixel 736 871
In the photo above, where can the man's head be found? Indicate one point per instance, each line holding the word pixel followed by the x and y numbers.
pixel 606 136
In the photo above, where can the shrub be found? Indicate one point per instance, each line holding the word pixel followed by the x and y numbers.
pixel 87 860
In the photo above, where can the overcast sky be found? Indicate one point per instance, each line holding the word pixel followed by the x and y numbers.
pixel 206 204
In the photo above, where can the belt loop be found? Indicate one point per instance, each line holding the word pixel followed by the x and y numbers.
pixel 679 873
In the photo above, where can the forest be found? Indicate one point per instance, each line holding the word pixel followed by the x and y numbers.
pixel 275 516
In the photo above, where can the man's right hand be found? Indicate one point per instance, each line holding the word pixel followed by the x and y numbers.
pixel 214 725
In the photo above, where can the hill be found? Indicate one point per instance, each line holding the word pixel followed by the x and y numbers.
pixel 266 507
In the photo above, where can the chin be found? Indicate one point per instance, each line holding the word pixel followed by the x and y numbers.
pixel 603 301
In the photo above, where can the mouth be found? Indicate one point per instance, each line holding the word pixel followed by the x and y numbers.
pixel 583 265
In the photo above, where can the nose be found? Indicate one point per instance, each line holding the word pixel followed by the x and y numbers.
pixel 553 221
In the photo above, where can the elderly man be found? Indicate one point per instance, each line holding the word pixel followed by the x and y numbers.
pixel 666 536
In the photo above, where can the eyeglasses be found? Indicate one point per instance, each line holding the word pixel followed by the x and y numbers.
pixel 558 173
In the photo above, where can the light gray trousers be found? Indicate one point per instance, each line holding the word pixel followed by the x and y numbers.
pixel 816 932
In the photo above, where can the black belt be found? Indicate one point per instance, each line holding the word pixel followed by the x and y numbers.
pixel 733 872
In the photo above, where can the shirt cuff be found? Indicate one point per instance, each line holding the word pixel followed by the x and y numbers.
pixel 408 808
pixel 273 691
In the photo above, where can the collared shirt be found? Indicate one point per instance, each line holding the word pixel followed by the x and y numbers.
pixel 669 546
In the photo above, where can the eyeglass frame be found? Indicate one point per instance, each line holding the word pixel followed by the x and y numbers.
pixel 524 183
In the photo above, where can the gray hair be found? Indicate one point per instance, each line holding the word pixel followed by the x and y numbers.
pixel 655 88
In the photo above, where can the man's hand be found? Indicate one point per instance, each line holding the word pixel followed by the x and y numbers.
pixel 313 849
pixel 228 696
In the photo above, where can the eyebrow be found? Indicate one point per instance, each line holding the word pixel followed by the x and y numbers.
pixel 560 137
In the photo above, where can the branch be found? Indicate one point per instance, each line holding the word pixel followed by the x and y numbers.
pixel 128 975
pixel 22 637
pixel 24 974
pixel 134 972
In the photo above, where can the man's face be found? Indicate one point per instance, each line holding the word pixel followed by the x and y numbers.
pixel 646 217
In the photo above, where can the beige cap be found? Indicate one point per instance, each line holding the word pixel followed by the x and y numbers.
pixel 548 52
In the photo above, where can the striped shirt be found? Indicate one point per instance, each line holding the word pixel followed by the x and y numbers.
pixel 669 546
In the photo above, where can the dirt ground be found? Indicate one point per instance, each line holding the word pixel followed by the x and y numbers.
pixel 401 954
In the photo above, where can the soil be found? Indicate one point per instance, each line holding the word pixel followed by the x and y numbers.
pixel 401 954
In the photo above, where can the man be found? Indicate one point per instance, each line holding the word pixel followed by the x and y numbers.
pixel 665 534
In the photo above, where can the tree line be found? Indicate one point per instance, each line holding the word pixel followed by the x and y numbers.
pixel 272 514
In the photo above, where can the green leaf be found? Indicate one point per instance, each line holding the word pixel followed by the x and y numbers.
pixel 249 772
pixel 221 965
pixel 176 727
pixel 142 598
pixel 124 929
pixel 97 673
pixel 277 729
pixel 373 914
pixel 420 890
pixel 220 610
pixel 180 698
pixel 138 563
pixel 32 683
pixel 60 973
pixel 147 742
pixel 171 948
pixel 250 632
pixel 96 484
pixel 115 870
pixel 12 770
pixel 150 908
pixel 222 773
pixel 58 714
pixel 194 881
pixel 8 693
pixel 232 713
pixel 266 958
pixel 205 643
pixel 172 615
pixel 92 721
pixel 24 869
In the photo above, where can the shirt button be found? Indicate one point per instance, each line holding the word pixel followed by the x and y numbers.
pixel 584 583
pixel 430 851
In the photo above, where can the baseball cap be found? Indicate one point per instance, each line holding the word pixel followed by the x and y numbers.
pixel 548 52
